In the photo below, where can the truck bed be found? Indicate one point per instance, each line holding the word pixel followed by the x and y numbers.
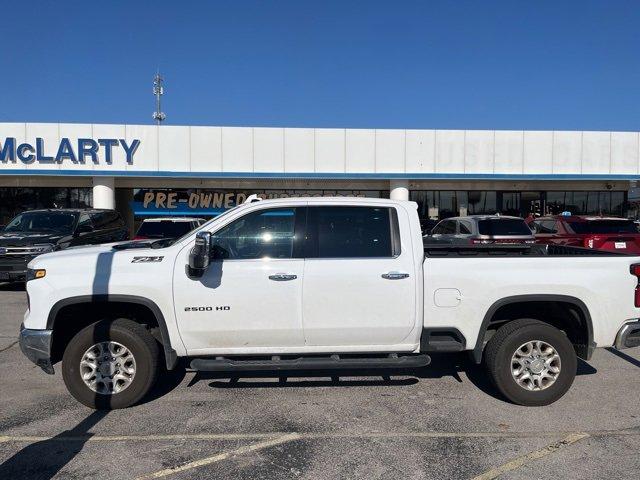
pixel 464 282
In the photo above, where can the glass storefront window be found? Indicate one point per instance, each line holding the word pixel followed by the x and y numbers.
pixel 436 205
pixel 618 204
pixel 482 203
pixel 17 200
pixel 447 204
pixel 207 202
pixel 586 203
pixel 510 204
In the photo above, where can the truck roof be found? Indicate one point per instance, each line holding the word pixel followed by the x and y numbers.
pixel 363 200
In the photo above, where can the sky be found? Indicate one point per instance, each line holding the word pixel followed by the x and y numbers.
pixel 544 64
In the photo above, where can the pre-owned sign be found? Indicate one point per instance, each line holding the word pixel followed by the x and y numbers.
pixel 77 152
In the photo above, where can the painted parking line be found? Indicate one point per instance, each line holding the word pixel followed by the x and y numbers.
pixel 138 438
pixel 530 457
pixel 222 456
pixel 310 436
pixel 267 440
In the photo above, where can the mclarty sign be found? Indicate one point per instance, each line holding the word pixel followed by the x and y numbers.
pixel 78 151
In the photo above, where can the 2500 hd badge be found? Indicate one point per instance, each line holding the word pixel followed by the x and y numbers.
pixel 206 309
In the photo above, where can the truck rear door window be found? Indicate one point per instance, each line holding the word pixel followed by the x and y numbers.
pixel 351 232
pixel 465 227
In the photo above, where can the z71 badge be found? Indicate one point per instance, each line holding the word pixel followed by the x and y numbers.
pixel 146 259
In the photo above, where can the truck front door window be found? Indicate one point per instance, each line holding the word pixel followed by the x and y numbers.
pixel 262 234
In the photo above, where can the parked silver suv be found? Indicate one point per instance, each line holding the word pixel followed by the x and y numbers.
pixel 480 230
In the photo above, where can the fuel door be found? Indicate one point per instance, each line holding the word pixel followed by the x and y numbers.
pixel 447 297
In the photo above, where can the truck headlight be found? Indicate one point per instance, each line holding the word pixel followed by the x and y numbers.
pixel 42 248
pixel 35 273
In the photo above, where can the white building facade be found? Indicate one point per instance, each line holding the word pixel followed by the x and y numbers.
pixel 147 170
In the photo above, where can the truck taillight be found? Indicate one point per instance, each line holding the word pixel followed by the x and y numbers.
pixel 635 271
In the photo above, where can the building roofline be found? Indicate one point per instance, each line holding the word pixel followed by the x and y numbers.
pixel 320 175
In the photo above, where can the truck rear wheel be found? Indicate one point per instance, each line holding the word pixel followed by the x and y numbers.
pixel 111 364
pixel 531 362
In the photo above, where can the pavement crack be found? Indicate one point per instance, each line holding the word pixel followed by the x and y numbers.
pixel 7 348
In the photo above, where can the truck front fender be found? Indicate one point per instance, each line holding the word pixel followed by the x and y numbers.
pixel 170 354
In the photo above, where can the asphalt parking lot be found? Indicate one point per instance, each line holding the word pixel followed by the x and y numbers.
pixel 441 422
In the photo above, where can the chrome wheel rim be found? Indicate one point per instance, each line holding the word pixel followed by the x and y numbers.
pixel 108 368
pixel 535 365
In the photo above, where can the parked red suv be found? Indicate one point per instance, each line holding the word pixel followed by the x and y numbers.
pixel 601 233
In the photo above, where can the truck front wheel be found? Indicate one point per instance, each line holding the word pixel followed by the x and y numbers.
pixel 111 364
pixel 530 362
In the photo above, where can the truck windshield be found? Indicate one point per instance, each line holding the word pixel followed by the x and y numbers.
pixel 30 222
pixel 223 214
pixel 603 226
pixel 503 226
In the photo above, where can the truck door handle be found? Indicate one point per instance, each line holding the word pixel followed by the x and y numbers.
pixel 282 277
pixel 395 275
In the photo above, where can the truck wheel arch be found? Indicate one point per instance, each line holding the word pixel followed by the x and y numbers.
pixel 477 352
pixel 170 354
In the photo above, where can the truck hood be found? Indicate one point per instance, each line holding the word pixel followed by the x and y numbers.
pixel 73 254
pixel 25 239
pixel 99 270
pixel 89 254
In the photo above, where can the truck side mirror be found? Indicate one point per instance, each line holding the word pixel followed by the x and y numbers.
pixel 219 252
pixel 199 255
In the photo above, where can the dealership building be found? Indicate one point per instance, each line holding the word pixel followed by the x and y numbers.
pixel 145 170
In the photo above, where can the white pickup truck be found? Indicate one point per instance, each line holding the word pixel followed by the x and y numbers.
pixel 322 283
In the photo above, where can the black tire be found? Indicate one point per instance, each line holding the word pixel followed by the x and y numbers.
pixel 133 336
pixel 504 343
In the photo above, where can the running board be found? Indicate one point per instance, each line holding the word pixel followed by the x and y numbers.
pixel 334 362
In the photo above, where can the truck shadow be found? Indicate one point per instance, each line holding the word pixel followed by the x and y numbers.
pixel 623 356
pixel 12 287
pixel 44 459
pixel 168 380
pixel 442 365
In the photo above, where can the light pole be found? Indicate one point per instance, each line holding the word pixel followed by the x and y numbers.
pixel 158 91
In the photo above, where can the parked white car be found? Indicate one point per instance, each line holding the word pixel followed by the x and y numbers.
pixel 323 283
